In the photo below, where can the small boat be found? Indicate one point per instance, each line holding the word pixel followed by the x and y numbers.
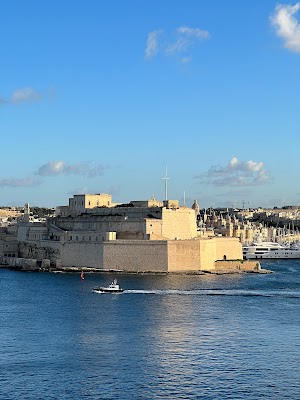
pixel 114 287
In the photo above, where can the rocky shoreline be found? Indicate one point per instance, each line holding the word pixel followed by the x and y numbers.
pixel 221 268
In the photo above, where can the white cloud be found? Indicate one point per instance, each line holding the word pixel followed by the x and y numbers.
pixel 185 37
pixel 25 95
pixel 54 168
pixel 236 173
pixel 180 46
pixel 152 44
pixel 186 60
pixel 19 182
pixel 287 26
pixel 193 32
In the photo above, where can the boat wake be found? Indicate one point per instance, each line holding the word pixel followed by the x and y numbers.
pixel 220 292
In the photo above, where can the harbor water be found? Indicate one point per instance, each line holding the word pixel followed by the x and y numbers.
pixel 165 337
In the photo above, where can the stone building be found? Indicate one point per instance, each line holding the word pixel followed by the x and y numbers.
pixel 8 245
pixel 140 236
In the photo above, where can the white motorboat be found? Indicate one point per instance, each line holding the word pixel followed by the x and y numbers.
pixel 114 287
pixel 269 250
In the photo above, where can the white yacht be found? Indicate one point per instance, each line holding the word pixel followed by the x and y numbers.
pixel 269 250
pixel 114 287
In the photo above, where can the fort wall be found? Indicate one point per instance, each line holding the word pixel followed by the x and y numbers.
pixel 237 266
pixel 207 253
pixel 82 254
pixel 179 223
pixel 228 248
pixel 184 255
pixel 136 256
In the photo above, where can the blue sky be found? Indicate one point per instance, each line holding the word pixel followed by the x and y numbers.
pixel 99 97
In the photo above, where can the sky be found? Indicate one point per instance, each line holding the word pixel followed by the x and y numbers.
pixel 110 96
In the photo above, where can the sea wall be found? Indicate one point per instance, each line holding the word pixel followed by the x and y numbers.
pixel 233 266
pixel 25 264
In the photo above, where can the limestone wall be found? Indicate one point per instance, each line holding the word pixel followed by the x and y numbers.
pixel 179 223
pixel 184 255
pixel 40 250
pixel 82 254
pixel 136 255
pixel 80 202
pixel 231 248
pixel 154 229
pixel 20 263
pixel 207 253
pixel 237 266
pixel 130 223
pixel 101 225
pixel 8 246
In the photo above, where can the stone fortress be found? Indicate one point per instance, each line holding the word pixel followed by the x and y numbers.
pixel 141 236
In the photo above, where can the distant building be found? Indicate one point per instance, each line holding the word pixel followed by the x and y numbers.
pixel 8 245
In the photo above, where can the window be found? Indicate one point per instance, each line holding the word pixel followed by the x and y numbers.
pixel 76 237
pixel 71 238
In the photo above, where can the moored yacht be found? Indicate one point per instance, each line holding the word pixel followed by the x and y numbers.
pixel 269 250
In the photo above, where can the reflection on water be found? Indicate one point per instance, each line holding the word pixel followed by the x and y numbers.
pixel 164 337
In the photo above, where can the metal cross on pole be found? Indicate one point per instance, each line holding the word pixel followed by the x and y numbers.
pixel 165 178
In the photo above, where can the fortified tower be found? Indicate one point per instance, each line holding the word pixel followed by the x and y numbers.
pixel 26 213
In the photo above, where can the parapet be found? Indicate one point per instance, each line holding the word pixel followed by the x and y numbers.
pixel 171 203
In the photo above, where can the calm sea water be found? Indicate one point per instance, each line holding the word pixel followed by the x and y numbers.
pixel 165 337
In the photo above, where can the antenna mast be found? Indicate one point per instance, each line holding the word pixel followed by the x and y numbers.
pixel 165 178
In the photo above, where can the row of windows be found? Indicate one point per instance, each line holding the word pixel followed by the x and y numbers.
pixel 9 255
pixel 85 238
pixel 82 203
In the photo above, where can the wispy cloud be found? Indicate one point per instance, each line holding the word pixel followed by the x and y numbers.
pixel 23 95
pixel 186 37
pixel 193 32
pixel 287 26
pixel 53 168
pixel 152 44
pixel 183 39
pixel 186 60
pixel 19 182
pixel 236 173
